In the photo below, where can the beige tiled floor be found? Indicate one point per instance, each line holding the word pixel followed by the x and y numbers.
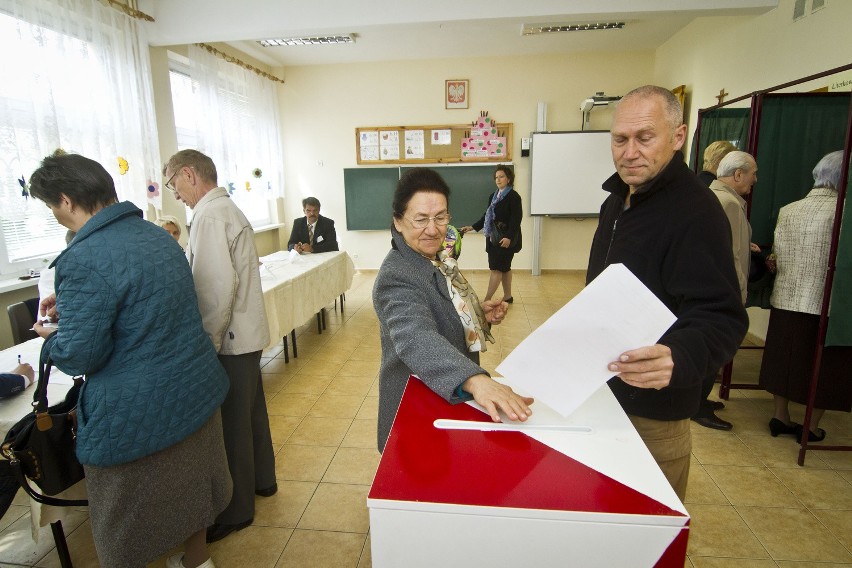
pixel 751 505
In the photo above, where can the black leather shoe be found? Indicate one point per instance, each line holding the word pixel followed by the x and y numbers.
pixel 811 436
pixel 716 405
pixel 712 421
pixel 218 532
pixel 509 300
pixel 777 427
pixel 268 492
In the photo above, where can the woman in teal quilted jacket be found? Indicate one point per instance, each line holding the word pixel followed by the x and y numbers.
pixel 150 434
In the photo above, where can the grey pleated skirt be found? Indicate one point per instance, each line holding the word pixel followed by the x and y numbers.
pixel 142 509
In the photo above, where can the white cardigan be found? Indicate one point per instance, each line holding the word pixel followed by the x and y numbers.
pixel 802 243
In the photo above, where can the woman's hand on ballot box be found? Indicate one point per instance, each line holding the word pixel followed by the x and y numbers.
pixel 494 396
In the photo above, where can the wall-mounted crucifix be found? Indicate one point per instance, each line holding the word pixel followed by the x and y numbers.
pixel 721 96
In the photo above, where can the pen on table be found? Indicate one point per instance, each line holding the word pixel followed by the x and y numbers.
pixel 19 359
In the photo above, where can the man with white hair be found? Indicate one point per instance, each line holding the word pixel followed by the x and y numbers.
pixel 736 174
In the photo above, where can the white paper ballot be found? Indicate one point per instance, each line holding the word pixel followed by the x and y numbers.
pixel 564 361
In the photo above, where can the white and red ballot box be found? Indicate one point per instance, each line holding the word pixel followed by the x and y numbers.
pixel 540 498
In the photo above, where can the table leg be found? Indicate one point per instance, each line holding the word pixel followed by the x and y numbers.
pixel 61 545
pixel 287 351
pixel 323 317
pixel 293 337
pixel 319 323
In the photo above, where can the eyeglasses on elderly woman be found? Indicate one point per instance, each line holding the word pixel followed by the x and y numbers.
pixel 423 222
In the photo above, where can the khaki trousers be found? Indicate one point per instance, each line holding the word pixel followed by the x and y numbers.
pixel 670 443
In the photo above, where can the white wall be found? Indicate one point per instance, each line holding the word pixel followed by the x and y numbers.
pixel 747 54
pixel 322 105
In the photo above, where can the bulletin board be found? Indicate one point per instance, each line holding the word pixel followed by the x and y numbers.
pixel 433 144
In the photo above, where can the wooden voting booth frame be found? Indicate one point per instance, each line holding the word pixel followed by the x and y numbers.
pixel 758 99
pixel 433 153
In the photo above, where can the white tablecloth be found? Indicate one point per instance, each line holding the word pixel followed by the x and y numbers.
pixel 14 408
pixel 295 290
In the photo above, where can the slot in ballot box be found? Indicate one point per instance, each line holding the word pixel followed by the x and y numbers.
pixel 502 498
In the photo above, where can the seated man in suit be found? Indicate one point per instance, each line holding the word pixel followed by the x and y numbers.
pixel 16 380
pixel 313 232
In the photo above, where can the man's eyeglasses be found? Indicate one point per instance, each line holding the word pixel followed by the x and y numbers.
pixel 422 222
pixel 169 184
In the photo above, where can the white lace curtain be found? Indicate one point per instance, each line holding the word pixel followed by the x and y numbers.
pixel 237 125
pixel 76 75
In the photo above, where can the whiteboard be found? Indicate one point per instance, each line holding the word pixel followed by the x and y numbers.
pixel 567 171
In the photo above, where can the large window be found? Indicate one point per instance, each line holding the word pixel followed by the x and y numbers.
pixel 230 114
pixel 73 77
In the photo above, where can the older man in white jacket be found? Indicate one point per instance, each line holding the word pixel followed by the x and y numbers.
pixel 225 268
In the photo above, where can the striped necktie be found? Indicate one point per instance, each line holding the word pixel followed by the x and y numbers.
pixel 310 234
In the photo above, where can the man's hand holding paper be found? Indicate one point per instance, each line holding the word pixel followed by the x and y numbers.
pixel 645 368
pixel 569 357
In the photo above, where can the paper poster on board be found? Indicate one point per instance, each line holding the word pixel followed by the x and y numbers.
pixel 369 153
pixel 368 143
pixel 414 145
pixel 441 137
pixel 389 144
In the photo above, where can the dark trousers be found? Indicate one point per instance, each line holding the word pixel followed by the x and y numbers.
pixel 704 406
pixel 248 442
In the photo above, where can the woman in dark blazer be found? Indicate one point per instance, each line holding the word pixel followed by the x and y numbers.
pixel 431 323
pixel 502 224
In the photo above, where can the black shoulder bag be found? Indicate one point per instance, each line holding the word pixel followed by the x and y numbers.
pixel 41 446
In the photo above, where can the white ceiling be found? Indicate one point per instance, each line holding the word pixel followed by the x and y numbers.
pixel 426 29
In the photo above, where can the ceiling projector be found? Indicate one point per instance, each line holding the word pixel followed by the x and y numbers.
pixel 599 99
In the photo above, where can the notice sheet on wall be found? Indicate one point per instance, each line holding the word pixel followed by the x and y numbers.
pixel 414 144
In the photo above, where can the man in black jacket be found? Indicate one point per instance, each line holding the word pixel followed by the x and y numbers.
pixel 313 232
pixel 671 232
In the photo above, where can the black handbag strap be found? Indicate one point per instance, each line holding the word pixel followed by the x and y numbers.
pixel 40 403
pixel 38 497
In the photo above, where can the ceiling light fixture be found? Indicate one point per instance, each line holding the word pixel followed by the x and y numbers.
pixel 307 40
pixel 533 29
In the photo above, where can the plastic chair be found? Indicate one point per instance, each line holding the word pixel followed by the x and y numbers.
pixel 22 316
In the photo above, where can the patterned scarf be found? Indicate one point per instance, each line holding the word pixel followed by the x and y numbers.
pixel 489 213
pixel 466 302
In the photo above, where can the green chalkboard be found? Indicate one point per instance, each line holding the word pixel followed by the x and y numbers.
pixel 369 193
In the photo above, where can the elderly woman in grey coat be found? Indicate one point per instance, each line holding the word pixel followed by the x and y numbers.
pixel 432 323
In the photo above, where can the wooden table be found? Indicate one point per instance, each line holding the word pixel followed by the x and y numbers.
pixel 296 290
pixel 458 498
